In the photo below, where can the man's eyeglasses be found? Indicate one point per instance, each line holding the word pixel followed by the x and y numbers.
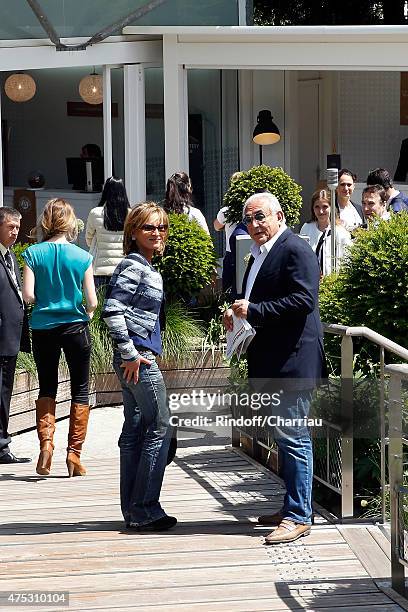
pixel 151 228
pixel 258 216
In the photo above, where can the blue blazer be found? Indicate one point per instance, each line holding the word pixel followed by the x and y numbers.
pixel 284 311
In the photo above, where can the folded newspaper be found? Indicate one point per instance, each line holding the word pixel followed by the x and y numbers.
pixel 239 337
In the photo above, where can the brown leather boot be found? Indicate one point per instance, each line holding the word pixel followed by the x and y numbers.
pixel 78 423
pixel 45 418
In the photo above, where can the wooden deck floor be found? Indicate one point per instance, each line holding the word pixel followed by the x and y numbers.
pixel 66 534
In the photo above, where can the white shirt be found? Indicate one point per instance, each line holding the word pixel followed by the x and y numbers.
pixel 195 213
pixel 3 251
pixel 259 254
pixel 349 217
pixel 343 240
pixel 228 227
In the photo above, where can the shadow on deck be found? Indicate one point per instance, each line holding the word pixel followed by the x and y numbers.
pixel 61 534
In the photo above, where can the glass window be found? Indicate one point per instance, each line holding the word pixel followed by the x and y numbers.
pixel 71 18
pixel 155 179
pixel 213 140
pixel 118 133
pixel 53 125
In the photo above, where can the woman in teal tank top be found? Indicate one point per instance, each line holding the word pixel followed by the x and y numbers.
pixel 55 274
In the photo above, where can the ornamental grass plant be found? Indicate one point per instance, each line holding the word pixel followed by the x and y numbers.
pixel 183 332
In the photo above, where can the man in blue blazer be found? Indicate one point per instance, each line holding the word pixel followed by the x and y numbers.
pixel 280 290
pixel 14 334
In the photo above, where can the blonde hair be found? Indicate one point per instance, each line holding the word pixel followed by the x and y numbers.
pixel 322 194
pixel 58 217
pixel 139 216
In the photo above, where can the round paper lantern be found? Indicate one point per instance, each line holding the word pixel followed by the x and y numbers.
pixel 91 89
pixel 20 87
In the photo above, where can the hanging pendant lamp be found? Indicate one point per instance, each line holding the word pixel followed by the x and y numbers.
pixel 91 88
pixel 20 87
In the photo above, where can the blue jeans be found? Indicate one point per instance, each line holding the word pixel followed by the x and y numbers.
pixel 296 455
pixel 143 443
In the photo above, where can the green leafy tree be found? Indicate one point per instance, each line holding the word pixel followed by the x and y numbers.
pixel 262 178
pixel 329 12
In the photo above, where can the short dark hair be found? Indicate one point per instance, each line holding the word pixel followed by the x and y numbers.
pixel 91 150
pixel 349 172
pixel 7 211
pixel 379 176
pixel 376 189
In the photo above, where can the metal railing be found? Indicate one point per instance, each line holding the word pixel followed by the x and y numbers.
pixel 339 459
pixel 399 510
pixel 347 366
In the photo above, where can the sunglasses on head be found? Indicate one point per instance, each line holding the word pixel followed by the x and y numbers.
pixel 258 216
pixel 147 227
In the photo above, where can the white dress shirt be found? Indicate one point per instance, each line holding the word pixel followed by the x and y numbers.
pixel 343 240
pixel 228 227
pixel 350 217
pixel 259 254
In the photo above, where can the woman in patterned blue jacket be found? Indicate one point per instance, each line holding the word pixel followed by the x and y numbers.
pixel 131 311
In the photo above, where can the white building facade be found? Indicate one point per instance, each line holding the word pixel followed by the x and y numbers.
pixel 187 98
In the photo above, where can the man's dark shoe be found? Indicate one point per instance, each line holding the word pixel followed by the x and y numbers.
pixel 272 520
pixel 10 458
pixel 162 524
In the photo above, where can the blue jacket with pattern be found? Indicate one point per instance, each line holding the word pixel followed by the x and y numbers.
pixel 132 303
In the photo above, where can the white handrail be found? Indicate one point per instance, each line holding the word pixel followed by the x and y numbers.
pixel 369 334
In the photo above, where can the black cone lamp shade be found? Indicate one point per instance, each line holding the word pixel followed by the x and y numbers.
pixel 266 131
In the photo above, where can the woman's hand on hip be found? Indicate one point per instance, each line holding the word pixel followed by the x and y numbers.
pixel 131 369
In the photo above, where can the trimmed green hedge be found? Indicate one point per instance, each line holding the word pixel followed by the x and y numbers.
pixel 17 250
pixel 189 259
pixel 372 287
pixel 261 178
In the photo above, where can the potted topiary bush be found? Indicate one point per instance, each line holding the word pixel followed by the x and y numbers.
pixel 261 178
pixel 189 260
